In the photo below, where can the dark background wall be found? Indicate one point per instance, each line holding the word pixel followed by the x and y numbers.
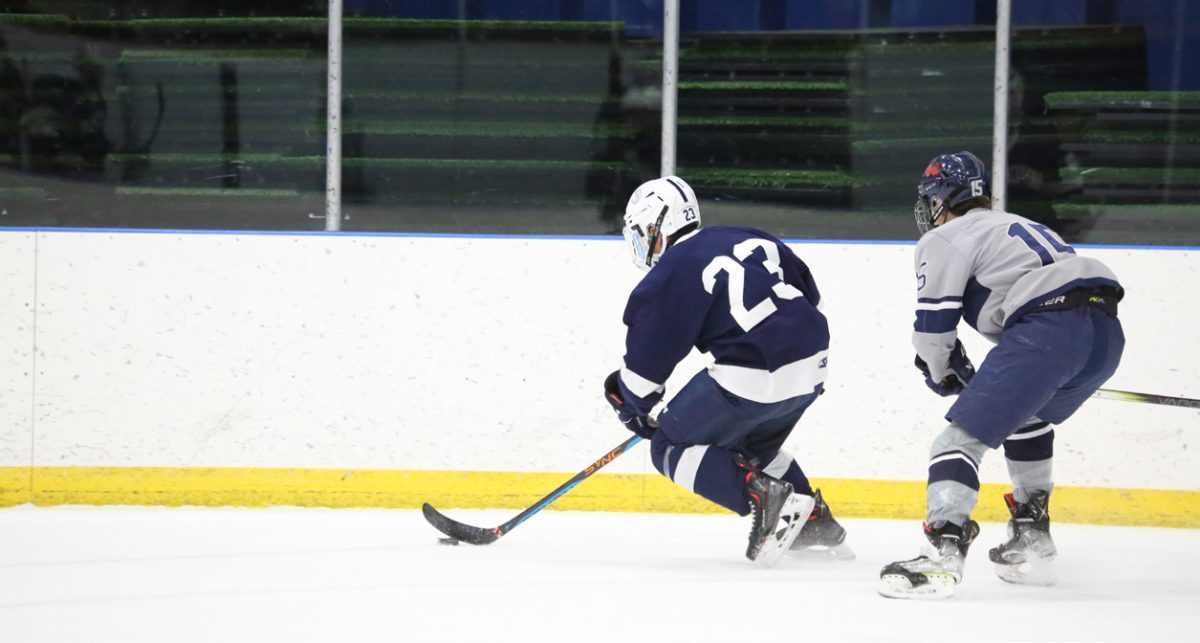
pixel 803 117
pixel 1172 26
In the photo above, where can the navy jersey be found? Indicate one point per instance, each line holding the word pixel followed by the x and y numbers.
pixel 739 294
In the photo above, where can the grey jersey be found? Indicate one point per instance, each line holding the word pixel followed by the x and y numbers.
pixel 989 268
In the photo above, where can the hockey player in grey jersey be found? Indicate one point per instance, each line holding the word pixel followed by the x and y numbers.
pixel 1052 316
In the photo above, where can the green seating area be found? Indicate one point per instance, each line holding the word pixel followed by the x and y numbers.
pixel 229 115
pixel 1131 147
pixel 870 108
pixel 442 113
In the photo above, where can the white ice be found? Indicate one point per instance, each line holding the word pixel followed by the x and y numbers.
pixel 132 574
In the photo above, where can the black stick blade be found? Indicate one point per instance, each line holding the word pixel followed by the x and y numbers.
pixel 455 529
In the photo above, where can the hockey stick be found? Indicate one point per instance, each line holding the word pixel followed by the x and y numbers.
pixel 483 536
pixel 1165 400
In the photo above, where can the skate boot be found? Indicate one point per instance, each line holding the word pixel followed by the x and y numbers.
pixel 821 536
pixel 779 514
pixel 937 570
pixel 1028 556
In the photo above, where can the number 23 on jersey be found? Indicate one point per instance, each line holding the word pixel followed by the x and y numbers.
pixel 734 267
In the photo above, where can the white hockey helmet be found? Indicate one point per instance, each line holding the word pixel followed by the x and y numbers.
pixel 661 209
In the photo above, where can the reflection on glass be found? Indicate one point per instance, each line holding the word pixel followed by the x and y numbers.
pixel 810 119
pixel 1114 155
pixel 495 126
pixel 816 121
pixel 143 115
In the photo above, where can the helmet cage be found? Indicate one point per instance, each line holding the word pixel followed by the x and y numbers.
pixel 923 212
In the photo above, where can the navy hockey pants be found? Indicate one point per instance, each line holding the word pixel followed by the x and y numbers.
pixel 704 425
pixel 1046 365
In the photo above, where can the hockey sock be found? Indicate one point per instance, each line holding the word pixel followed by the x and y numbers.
pixel 1029 455
pixel 953 488
pixel 708 471
pixel 785 467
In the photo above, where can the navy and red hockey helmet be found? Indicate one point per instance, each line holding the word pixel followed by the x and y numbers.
pixel 949 181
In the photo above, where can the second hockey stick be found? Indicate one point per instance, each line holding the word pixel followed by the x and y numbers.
pixel 1164 400
pixel 484 536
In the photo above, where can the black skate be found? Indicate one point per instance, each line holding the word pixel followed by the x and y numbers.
pixel 1028 556
pixel 937 570
pixel 778 515
pixel 821 536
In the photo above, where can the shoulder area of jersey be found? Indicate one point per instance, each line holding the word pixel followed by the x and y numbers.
pixel 988 216
pixel 968 219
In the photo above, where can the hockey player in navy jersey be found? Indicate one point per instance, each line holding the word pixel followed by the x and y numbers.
pixel 748 300
pixel 1052 316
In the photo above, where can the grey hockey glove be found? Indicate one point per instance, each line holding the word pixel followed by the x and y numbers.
pixel 962 370
pixel 629 417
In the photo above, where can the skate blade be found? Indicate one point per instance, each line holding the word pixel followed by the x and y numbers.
pixel 1035 571
pixel 798 507
pixel 939 587
pixel 823 552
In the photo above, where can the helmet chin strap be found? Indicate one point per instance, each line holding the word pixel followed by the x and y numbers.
pixel 654 237
pixel 936 208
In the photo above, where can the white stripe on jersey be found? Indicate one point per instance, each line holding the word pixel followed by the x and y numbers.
pixel 788 381
pixel 689 464
pixel 639 385
pixel 941 305
pixel 666 465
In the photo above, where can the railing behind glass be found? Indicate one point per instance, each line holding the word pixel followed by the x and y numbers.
pixel 451 125
pixel 546 126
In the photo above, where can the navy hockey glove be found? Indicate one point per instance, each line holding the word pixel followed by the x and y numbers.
pixel 639 424
pixel 962 372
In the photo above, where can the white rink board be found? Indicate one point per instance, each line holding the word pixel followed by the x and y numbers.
pixel 16 346
pixel 480 353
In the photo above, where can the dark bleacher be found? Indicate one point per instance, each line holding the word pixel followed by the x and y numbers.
pixel 436 112
pixel 767 116
pixel 1130 167
pixel 221 122
pixel 861 112
pixel 856 115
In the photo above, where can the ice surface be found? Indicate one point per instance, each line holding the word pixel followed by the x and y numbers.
pixel 132 574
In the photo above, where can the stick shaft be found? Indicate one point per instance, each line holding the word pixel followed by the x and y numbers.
pixel 569 484
pixel 1129 396
pixel 484 536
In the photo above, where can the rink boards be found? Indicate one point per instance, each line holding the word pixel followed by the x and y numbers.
pixel 387 370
